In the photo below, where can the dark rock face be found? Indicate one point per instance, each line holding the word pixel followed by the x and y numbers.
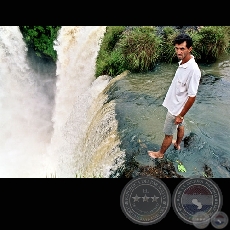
pixel 188 140
pixel 165 169
pixel 207 171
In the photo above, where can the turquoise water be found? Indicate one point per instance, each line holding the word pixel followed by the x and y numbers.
pixel 140 116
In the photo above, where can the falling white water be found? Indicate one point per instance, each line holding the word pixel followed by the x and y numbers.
pixel 76 136
pixel 25 123
pixel 98 148
pixel 77 48
pixel 84 142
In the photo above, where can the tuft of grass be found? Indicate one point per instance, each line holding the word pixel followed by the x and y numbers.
pixel 89 176
pixel 140 48
pixel 167 51
pixel 210 42
pixel 109 61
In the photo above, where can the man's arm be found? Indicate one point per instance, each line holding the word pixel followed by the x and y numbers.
pixel 186 108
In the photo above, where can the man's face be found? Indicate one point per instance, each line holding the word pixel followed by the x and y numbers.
pixel 182 51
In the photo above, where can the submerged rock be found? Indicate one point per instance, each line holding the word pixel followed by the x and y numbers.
pixel 163 169
pixel 207 171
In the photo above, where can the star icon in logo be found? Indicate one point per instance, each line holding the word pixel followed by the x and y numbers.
pixel 154 198
pixel 136 198
pixel 145 198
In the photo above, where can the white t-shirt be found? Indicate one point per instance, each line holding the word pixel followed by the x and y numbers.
pixel 184 84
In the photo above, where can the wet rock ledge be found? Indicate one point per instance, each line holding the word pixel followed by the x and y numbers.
pixel 163 169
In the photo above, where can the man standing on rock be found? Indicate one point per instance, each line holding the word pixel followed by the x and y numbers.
pixel 181 94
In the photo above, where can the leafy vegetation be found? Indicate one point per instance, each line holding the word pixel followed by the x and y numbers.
pixel 109 59
pixel 210 43
pixel 167 51
pixel 140 48
pixel 137 48
pixel 41 38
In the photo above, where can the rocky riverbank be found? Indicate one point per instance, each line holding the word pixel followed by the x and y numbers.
pixel 163 168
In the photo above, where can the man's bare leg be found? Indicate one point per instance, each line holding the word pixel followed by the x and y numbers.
pixel 180 135
pixel 165 145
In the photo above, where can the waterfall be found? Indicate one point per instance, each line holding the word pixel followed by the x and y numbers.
pixel 77 104
pixel 56 126
pixel 25 111
pixel 77 48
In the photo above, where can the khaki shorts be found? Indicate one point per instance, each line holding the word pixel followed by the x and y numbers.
pixel 169 126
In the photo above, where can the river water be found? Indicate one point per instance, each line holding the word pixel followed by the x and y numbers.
pixel 140 116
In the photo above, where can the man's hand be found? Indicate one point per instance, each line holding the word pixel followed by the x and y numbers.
pixel 178 120
pixel 186 108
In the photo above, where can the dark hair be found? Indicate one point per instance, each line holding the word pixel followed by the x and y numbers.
pixel 183 37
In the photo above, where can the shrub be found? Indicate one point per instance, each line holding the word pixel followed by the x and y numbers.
pixel 110 63
pixel 196 37
pixel 109 60
pixel 227 33
pixel 140 48
pixel 210 42
pixel 112 36
pixel 168 54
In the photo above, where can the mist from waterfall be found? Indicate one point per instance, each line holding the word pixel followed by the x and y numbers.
pixel 25 109
pixel 55 120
